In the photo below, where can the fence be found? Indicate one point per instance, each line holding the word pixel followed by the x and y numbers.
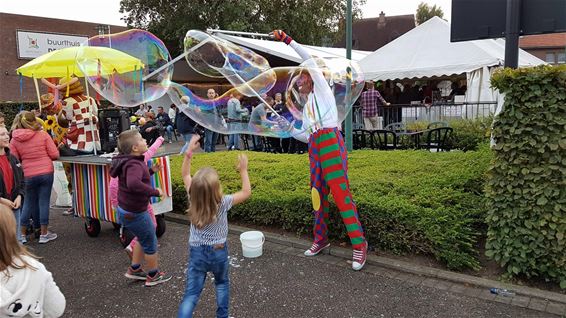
pixel 408 113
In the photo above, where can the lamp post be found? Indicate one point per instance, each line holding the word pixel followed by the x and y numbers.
pixel 512 32
pixel 348 122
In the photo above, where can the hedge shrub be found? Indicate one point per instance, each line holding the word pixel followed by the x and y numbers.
pixel 409 201
pixel 11 109
pixel 468 134
pixel 527 180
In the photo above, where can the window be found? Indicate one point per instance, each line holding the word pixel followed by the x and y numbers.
pixel 561 58
pixel 550 58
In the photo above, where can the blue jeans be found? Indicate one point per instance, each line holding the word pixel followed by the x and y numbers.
pixel 210 138
pixel 36 202
pixel 203 259
pixel 169 130
pixel 234 140
pixel 141 225
pixel 186 137
pixel 18 216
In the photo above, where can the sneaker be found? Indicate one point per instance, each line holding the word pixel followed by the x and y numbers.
pixel 23 239
pixel 359 258
pixel 137 274
pixel 129 251
pixel 50 236
pixel 316 248
pixel 159 278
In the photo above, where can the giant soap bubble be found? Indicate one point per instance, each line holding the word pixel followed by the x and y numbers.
pixel 216 58
pixel 135 87
pixel 342 79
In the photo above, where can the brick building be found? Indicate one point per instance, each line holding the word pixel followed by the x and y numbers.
pixel 547 47
pixel 9 59
pixel 372 33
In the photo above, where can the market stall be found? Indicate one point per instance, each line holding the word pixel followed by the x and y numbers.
pixel 90 178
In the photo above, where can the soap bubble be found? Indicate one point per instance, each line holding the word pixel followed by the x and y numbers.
pixel 134 87
pixel 343 83
pixel 217 58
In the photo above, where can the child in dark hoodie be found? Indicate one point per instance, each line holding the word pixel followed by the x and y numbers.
pixel 134 192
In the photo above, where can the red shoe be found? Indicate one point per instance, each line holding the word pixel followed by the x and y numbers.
pixel 359 259
pixel 316 248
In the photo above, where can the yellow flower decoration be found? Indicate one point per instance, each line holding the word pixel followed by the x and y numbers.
pixel 49 123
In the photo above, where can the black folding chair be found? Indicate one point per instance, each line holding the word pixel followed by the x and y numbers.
pixel 361 139
pixel 437 139
pixel 383 139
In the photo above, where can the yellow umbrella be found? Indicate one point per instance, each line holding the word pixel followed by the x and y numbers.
pixel 94 60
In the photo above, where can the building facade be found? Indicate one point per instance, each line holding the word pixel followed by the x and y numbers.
pixel 550 48
pixel 25 37
pixel 372 33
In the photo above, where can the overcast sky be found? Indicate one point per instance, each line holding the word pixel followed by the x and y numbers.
pixel 106 11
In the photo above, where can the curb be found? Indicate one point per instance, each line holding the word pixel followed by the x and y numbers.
pixel 401 266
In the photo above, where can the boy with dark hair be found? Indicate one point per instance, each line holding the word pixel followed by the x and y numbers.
pixel 134 192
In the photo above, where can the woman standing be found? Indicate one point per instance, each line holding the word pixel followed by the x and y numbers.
pixel 36 150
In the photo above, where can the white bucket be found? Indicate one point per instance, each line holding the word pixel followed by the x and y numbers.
pixel 252 243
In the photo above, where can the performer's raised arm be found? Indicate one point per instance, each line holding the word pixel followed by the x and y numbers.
pixel 320 82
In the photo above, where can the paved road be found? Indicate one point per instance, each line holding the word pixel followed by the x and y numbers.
pixel 90 271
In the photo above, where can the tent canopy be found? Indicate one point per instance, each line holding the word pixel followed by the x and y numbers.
pixel 426 51
pixel 282 50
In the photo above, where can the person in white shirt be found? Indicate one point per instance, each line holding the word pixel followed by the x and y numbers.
pixel 327 155
pixel 27 289
pixel 172 112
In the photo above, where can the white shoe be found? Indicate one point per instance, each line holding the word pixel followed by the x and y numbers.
pixel 50 236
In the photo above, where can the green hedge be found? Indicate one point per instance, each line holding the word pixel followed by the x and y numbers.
pixel 11 109
pixel 469 134
pixel 409 201
pixel 527 182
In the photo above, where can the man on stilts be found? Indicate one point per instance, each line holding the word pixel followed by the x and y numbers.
pixel 328 158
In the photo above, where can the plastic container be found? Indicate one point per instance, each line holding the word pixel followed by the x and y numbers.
pixel 252 243
pixel 502 292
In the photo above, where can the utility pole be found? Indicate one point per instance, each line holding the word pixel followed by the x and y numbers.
pixel 348 122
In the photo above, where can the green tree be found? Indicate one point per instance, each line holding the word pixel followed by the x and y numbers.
pixel 307 21
pixel 425 12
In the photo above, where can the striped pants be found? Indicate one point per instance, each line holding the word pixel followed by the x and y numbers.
pixel 329 174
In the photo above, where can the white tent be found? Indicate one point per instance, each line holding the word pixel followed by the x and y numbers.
pixel 282 50
pixel 426 51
